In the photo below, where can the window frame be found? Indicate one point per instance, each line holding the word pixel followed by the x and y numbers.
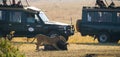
pixel 13 18
pixel 1 15
pixel 99 17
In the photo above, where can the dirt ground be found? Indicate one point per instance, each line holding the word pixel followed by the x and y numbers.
pixel 63 11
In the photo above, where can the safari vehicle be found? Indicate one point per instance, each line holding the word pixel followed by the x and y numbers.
pixel 101 23
pixel 29 21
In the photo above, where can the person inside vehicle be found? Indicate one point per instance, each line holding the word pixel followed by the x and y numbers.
pixel 112 5
pixel 18 4
pixel 4 2
pixel 100 3
pixel 30 19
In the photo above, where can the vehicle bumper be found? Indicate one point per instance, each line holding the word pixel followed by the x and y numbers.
pixel 68 32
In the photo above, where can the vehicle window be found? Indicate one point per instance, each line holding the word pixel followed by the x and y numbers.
pixel 43 17
pixel 99 17
pixel 106 17
pixel 30 18
pixel 93 16
pixel 0 15
pixel 15 17
pixel 118 17
pixel 5 15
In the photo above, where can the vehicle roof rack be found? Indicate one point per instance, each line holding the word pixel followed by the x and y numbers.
pixel 12 6
pixel 86 7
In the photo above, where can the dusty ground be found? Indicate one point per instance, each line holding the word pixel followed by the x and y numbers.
pixel 62 11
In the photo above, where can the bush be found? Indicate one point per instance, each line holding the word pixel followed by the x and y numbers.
pixel 7 50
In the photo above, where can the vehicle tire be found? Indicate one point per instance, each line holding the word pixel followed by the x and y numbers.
pixel 9 37
pixel 104 37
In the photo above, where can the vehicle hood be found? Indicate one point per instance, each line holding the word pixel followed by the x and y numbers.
pixel 56 23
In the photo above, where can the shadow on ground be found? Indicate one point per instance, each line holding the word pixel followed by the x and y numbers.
pixel 102 55
pixel 102 44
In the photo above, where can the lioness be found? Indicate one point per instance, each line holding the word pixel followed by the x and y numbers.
pixel 45 40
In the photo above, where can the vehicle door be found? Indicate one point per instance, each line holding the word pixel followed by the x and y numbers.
pixel 15 22
pixel 117 22
pixel 4 28
pixel 33 24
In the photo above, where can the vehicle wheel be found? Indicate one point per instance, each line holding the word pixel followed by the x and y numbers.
pixel 9 37
pixel 104 37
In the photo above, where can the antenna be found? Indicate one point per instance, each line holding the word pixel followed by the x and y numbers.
pixel 71 20
pixel 27 2
pixel 72 26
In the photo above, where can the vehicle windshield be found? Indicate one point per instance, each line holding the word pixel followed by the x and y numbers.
pixel 43 16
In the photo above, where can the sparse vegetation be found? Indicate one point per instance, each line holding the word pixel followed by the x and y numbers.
pixel 7 50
